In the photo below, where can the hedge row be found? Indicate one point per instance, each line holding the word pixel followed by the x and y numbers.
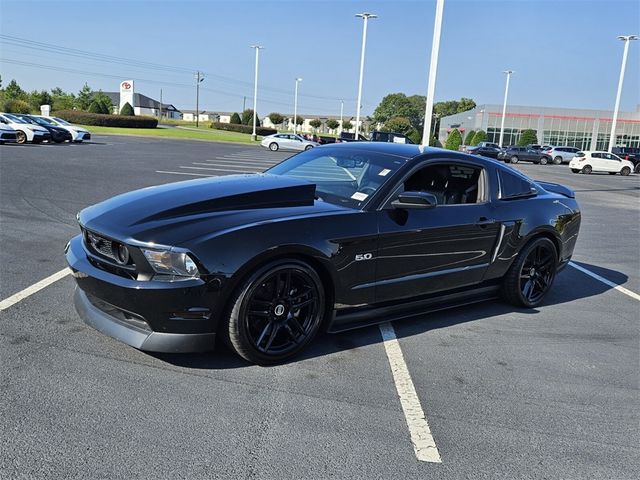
pixel 231 127
pixel 103 120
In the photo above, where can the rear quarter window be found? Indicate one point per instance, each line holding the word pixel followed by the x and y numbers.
pixel 513 185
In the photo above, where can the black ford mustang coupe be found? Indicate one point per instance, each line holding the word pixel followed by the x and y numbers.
pixel 336 237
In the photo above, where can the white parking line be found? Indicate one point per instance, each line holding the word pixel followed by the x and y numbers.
pixel 423 443
pixel 615 286
pixel 185 173
pixel 225 169
pixel 36 287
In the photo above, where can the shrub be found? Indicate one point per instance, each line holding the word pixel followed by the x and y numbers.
pixel 469 138
pixel 315 123
pixel 276 118
pixel 101 103
pixel 434 142
pixel 333 123
pixel 528 137
pixel 235 119
pixel 299 120
pixel 454 140
pixel 232 127
pixel 127 110
pixel 17 106
pixel 479 136
pixel 247 117
pixel 102 120
pixel 347 125
pixel 415 136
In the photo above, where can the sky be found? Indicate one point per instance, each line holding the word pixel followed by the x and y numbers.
pixel 564 52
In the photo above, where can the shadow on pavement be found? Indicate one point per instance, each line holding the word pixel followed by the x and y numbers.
pixel 570 285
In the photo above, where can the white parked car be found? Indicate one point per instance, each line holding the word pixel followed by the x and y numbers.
pixel 25 132
pixel 587 162
pixel 287 141
pixel 7 134
pixel 78 134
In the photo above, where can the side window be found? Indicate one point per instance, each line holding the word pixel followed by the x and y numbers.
pixel 596 155
pixel 451 184
pixel 513 185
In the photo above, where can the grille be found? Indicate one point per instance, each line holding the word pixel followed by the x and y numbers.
pixel 100 245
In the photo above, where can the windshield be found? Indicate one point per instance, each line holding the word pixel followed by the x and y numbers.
pixel 13 118
pixel 342 177
pixel 27 119
pixel 43 121
pixel 61 122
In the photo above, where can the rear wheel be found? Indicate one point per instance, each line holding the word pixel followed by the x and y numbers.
pixel 587 169
pixel 575 170
pixel 514 159
pixel 273 147
pixel 544 161
pixel 531 275
pixel 21 137
pixel 276 312
pixel 637 168
pixel 625 171
pixel 557 160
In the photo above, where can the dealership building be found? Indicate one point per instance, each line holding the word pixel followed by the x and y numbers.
pixel 584 129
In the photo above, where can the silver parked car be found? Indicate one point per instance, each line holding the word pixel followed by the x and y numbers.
pixel 558 155
pixel 287 141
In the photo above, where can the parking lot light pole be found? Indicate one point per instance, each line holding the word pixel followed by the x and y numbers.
pixel 504 106
pixel 254 136
pixel 626 39
pixel 295 107
pixel 433 67
pixel 199 78
pixel 341 115
pixel 365 16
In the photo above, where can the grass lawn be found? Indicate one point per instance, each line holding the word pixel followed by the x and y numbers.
pixel 200 134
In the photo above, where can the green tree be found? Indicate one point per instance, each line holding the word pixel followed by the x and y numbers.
pixel 347 125
pixel 528 137
pixel 127 110
pixel 465 104
pixel 84 98
pixel 399 105
pixel 399 125
pixel 469 138
pixel 276 118
pixel 16 106
pixel 315 123
pixel 332 123
pixel 61 100
pixel 39 98
pixel 101 103
pixel 14 92
pixel 247 117
pixel 454 140
pixel 479 136
pixel 299 120
pixel 235 119
pixel 434 142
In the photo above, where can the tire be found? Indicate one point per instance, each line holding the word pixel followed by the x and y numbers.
pixel 543 161
pixel 58 140
pixel 637 168
pixel 21 137
pixel 575 170
pixel 625 171
pixel 514 159
pixel 264 326
pixel 308 147
pixel 531 275
pixel 587 169
pixel 273 146
pixel 612 173
pixel 557 160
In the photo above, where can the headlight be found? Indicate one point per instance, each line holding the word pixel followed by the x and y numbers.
pixel 177 264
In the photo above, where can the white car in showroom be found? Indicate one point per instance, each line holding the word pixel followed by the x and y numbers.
pixel 25 132
pixel 587 162
pixel 287 141
pixel 78 134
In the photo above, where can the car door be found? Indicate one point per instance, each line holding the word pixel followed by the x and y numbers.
pixel 597 162
pixel 427 250
pixel 612 163
pixel 530 155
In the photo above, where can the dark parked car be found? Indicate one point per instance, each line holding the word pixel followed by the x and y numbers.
pixel 629 153
pixel 515 154
pixel 391 137
pixel 58 134
pixel 346 137
pixel 337 237
pixel 490 152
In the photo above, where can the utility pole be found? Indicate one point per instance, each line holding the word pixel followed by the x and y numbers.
pixel 244 103
pixel 433 67
pixel 199 78
pixel 160 115
pixel 626 39
pixel 254 136
pixel 295 107
pixel 341 114
pixel 365 17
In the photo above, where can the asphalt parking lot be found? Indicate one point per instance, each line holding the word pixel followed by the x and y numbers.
pixel 508 393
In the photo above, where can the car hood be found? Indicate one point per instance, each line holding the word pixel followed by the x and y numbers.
pixel 175 213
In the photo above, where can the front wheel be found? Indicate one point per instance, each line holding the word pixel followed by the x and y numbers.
pixel 587 169
pixel 273 147
pixel 544 161
pixel 514 159
pixel 625 171
pixel 308 147
pixel 532 274
pixel 557 160
pixel 21 137
pixel 276 312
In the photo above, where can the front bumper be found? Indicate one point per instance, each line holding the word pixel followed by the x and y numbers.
pixel 149 315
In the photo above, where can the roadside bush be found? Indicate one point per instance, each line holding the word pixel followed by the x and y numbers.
pixel 315 123
pixel 333 124
pixel 127 110
pixel 276 118
pixel 480 136
pixel 235 119
pixel 102 120
pixel 454 140
pixel 469 138
pixel 528 137
pixel 232 127
pixel 17 106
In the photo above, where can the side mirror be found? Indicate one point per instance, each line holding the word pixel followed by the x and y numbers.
pixel 415 200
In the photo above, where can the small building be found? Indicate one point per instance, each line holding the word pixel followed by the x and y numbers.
pixel 580 128
pixel 203 116
pixel 143 105
pixel 287 123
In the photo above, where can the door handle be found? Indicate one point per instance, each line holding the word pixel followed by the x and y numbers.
pixel 484 221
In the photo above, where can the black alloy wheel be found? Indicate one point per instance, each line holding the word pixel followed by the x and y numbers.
pixel 532 274
pixel 587 169
pixel 276 312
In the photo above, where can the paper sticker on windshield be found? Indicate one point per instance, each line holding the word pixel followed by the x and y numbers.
pixel 359 196
pixel 384 172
